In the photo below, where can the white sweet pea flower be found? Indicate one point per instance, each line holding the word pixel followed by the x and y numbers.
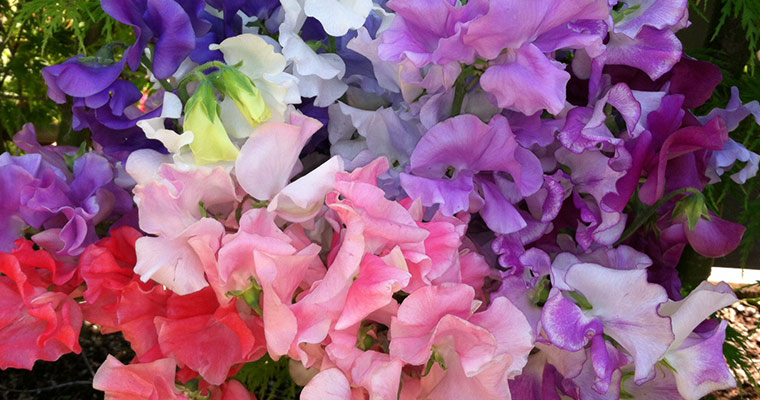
pixel 154 127
pixel 338 16
pixel 266 68
pixel 318 74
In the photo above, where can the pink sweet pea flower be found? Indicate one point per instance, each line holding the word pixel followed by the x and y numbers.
pixel 329 384
pixel 269 158
pixel 480 351
pixel 170 207
pixel 232 390
pixel 206 337
pixel 151 381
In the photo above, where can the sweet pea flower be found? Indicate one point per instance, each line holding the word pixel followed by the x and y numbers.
pixel 723 160
pixel 618 303
pixel 467 146
pixel 206 337
pixel 319 75
pixel 697 357
pixel 266 68
pixel 478 351
pixel 170 207
pixel 167 21
pixel 154 380
pixel 338 16
pixel 35 324
pixel 269 159
pixel 64 204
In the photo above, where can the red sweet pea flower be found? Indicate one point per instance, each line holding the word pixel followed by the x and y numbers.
pixel 35 324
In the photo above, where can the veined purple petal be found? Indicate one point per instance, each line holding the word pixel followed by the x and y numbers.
pixel 627 306
pixel 453 195
pixel 566 326
pixel 509 24
pixel 653 13
pixel 527 82
pixel 700 365
pixel 652 51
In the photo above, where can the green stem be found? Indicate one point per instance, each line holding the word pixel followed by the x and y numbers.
pixel 643 217
pixel 459 91
pixel 195 75
pixel 164 83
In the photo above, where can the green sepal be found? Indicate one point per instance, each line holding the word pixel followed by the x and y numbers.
pixel 694 207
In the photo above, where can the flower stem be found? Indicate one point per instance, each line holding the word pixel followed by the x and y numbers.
pixel 643 217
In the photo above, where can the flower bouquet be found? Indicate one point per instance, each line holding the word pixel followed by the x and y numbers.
pixel 411 199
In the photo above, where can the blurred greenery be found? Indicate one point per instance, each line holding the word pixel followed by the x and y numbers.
pixel 35 34
pixel 735 51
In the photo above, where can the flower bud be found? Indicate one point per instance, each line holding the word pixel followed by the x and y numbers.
pixel 244 93
pixel 211 143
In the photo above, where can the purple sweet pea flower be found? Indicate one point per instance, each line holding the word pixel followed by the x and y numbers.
pixel 652 51
pixel 20 177
pixel 680 150
pixel 66 205
pixel 696 354
pixel 80 79
pixel 594 176
pixel 712 238
pixel 653 13
pixel 462 153
pixel 429 31
pixel 164 20
pixel 722 160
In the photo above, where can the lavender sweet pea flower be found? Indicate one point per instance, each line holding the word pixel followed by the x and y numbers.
pixel 429 32
pixel 722 160
pixel 516 36
pixel 65 205
pixel 594 176
pixel 636 14
pixel 652 51
pixel 462 153
pixel 618 303
pixel 696 354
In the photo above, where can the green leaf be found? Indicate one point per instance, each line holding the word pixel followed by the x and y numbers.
pixel 269 379
pixel 619 15
pixel 70 160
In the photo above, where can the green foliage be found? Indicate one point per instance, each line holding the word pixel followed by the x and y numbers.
pixel 77 17
pixel 748 13
pixel 268 379
pixel 35 34
pixel 739 357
